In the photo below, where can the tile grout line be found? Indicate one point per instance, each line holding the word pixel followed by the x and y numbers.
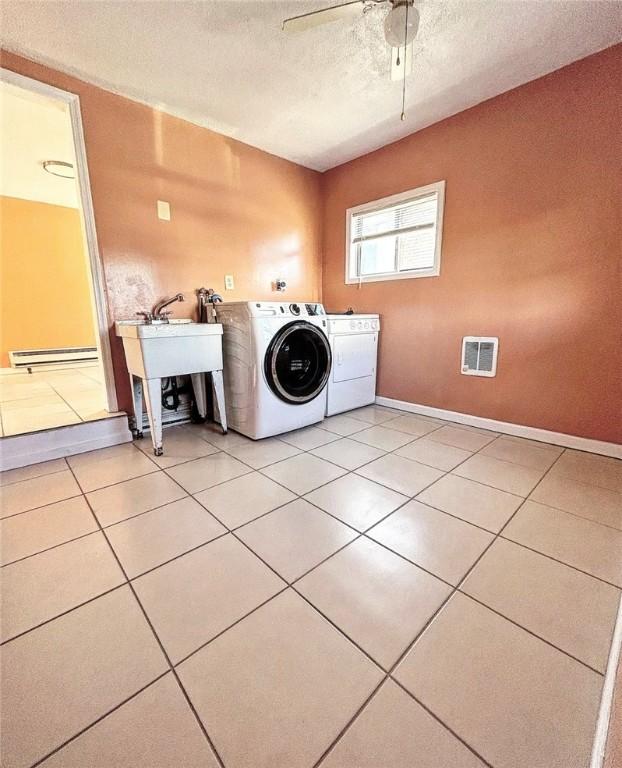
pixel 35 477
pixel 68 404
pixel 358 536
pixel 68 741
pixel 342 632
pixel 561 562
pixel 298 496
pixel 159 642
pixel 420 633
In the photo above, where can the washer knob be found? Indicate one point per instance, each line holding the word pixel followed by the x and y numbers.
pixel 294 309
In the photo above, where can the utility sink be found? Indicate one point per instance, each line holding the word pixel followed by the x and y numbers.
pixel 160 350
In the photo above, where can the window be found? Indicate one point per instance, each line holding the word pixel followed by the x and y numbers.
pixel 396 237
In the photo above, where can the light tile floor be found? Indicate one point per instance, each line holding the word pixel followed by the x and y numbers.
pixel 382 590
pixel 47 399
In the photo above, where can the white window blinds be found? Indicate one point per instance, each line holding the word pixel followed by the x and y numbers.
pixel 397 238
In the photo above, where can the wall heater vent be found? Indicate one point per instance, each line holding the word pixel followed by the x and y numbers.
pixel 37 358
pixel 479 355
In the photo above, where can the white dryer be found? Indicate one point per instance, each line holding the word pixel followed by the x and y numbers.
pixel 354 345
pixel 277 361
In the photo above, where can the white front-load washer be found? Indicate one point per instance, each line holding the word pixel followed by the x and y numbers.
pixel 277 361
pixel 354 345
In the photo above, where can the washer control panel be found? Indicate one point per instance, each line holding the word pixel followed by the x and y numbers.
pixel 284 309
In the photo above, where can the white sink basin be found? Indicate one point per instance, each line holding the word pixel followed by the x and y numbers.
pixel 158 350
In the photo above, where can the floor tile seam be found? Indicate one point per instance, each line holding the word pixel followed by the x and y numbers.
pixel 413 439
pixel 132 579
pixel 455 589
pixel 366 533
pixel 495 537
pixel 494 487
pixel 330 432
pixel 506 537
pixel 237 621
pixel 388 675
pixel 360 709
pixel 586 483
pixel 288 489
pixel 561 476
pixel 462 448
pixel 36 477
pixel 452 515
pixel 60 615
pixel 99 719
pixel 339 629
pixel 531 632
pixel 64 399
pixel 158 641
pixel 49 549
pixel 146 511
pixel 147 451
pixel 441 722
pixel 315 447
pixel 117 482
pixel 209 487
pixel 42 506
pixel 574 514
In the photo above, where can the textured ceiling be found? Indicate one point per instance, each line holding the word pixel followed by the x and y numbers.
pixel 320 97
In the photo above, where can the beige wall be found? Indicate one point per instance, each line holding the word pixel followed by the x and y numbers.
pixel 235 209
pixel 531 245
pixel 531 253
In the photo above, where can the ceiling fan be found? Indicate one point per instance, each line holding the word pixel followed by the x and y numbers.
pixel 400 25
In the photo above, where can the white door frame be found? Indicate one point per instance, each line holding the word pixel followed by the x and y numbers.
pixel 72 100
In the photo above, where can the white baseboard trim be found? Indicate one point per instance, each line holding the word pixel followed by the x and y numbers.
pixel 516 430
pixel 599 745
pixel 35 447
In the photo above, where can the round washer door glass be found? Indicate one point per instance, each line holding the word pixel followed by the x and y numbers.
pixel 297 363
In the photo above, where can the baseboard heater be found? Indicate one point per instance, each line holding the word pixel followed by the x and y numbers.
pixel 37 358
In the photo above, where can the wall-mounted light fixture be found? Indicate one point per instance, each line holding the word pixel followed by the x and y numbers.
pixel 59 168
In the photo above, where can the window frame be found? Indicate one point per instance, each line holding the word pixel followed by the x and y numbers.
pixel 351 257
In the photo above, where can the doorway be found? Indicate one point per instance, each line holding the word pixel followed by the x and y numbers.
pixel 55 367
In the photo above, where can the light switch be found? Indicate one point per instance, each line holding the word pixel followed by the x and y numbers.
pixel 229 285
pixel 164 210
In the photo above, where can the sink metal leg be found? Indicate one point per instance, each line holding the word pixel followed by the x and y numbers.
pixel 154 411
pixel 219 399
pixel 200 393
pixel 136 385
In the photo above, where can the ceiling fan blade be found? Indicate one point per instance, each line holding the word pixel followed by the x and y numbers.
pixel 324 16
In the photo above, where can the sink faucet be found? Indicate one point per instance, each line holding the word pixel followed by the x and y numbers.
pixel 158 314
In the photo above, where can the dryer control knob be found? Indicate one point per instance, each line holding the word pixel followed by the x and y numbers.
pixel 294 309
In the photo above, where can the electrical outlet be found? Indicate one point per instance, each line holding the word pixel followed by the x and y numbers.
pixel 229 284
pixel 164 210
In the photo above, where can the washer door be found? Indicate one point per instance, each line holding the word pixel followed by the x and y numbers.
pixel 297 363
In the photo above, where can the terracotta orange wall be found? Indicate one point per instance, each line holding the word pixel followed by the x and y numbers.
pixel 44 287
pixel 531 253
pixel 235 209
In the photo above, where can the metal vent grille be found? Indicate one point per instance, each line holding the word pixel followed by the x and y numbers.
pixel 479 356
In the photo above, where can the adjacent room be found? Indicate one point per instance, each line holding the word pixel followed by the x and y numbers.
pixel 50 374
pixel 311 384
